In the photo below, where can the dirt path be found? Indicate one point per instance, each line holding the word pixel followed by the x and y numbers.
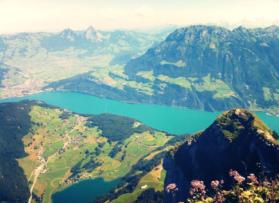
pixel 37 171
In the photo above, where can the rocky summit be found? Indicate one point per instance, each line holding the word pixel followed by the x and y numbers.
pixel 237 140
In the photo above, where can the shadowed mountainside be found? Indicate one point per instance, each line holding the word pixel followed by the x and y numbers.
pixel 237 140
pixel 14 124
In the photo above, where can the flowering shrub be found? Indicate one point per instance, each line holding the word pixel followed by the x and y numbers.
pixel 197 190
pixel 245 190
pixel 237 177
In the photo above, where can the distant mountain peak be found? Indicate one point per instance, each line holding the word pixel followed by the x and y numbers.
pixel 92 34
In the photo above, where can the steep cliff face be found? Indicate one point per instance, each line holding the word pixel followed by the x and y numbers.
pixel 238 67
pixel 236 140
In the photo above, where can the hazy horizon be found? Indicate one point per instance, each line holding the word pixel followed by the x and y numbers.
pixel 53 16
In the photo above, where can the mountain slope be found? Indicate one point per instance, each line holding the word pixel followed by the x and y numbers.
pixel 46 149
pixel 216 66
pixel 204 67
pixel 237 140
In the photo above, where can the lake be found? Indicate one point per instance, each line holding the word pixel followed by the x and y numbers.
pixel 175 120
pixel 84 191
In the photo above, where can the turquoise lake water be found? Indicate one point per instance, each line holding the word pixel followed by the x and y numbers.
pixel 84 192
pixel 171 119
pixel 176 120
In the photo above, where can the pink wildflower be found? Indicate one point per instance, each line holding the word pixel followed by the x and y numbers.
pixel 237 177
pixel 197 186
pixel 171 187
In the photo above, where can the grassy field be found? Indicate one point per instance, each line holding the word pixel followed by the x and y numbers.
pixel 154 179
pixel 114 76
pixel 220 88
pixel 180 81
pixel 70 150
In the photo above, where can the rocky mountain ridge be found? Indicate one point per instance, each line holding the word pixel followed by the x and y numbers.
pixel 237 140
pixel 217 67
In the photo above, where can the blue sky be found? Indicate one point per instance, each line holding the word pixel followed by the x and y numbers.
pixel 55 15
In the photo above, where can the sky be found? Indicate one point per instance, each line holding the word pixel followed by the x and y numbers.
pixel 55 15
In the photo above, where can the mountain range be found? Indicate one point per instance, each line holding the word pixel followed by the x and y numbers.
pixel 204 67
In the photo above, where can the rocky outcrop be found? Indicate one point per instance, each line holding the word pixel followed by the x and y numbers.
pixel 237 140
